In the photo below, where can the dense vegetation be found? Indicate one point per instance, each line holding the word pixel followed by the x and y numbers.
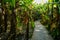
pixel 17 18
pixel 51 19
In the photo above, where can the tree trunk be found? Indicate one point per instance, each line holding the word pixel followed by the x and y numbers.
pixel 13 23
pixel 5 21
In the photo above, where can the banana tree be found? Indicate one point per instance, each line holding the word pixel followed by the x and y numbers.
pixel 7 6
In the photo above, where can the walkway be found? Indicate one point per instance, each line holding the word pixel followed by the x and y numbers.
pixel 40 32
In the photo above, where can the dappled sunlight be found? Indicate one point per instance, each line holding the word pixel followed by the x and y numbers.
pixel 40 34
pixel 37 30
pixel 40 1
pixel 22 19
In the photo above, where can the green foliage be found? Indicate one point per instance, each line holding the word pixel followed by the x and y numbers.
pixel 56 0
pixel 32 23
pixel 12 3
pixel 23 11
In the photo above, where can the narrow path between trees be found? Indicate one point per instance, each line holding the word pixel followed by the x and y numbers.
pixel 40 32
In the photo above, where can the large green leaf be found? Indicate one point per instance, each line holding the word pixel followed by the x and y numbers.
pixel 12 3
